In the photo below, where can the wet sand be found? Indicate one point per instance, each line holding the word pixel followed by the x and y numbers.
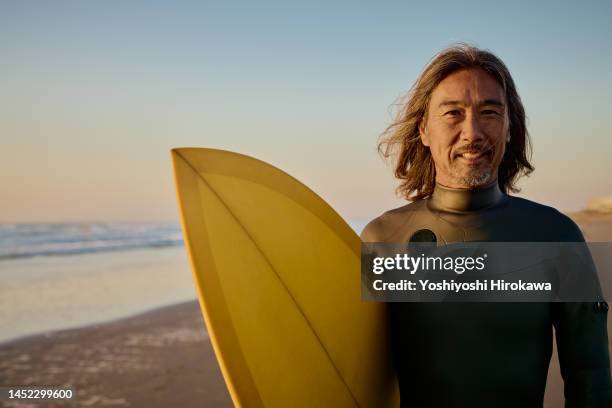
pixel 162 358
pixel 48 293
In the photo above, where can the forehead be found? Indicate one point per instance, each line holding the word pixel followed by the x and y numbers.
pixel 467 86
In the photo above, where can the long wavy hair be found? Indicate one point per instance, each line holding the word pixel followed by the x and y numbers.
pixel 412 160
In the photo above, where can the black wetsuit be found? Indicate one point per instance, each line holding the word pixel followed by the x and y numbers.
pixel 492 354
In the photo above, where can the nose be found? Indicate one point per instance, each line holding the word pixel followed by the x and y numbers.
pixel 471 131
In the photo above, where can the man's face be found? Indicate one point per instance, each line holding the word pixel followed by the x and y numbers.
pixel 466 128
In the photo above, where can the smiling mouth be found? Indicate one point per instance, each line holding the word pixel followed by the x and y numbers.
pixel 474 157
pixel 471 155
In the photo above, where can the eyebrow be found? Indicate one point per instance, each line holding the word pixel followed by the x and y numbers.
pixel 486 102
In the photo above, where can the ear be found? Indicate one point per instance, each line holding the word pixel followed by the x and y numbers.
pixel 423 133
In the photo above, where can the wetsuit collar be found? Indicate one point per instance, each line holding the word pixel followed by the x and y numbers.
pixel 463 199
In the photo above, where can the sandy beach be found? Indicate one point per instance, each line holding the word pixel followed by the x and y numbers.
pixel 161 358
pixel 596 227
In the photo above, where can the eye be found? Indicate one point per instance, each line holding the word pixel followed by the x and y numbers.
pixel 490 112
pixel 452 113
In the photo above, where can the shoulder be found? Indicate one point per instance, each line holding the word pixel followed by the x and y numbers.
pixel 559 227
pixel 386 224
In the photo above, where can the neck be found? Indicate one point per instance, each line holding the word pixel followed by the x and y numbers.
pixel 465 199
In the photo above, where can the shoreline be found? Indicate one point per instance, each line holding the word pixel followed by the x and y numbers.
pixel 158 358
pixel 143 314
pixel 44 294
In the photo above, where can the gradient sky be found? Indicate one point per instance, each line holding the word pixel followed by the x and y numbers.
pixel 95 94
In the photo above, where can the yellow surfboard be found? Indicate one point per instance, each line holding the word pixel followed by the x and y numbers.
pixel 277 272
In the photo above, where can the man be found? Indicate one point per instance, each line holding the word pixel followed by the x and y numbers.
pixel 460 144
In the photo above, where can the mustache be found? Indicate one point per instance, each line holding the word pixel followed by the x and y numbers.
pixel 483 148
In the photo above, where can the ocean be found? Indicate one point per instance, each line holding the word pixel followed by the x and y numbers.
pixel 28 240
pixel 59 276
pixel 34 240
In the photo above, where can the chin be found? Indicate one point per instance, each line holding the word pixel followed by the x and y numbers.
pixel 475 178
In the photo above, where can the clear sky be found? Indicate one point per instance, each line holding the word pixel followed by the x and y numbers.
pixel 94 95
